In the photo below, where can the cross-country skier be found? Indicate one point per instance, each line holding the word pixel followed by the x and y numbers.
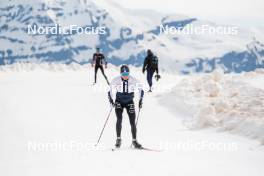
pixel 151 65
pixel 97 63
pixel 124 86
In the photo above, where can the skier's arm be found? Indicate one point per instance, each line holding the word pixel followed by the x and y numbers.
pixel 93 60
pixel 141 95
pixel 139 86
pixel 157 70
pixel 112 87
pixel 110 93
pixel 145 64
pixel 141 92
pixel 111 101
pixel 104 60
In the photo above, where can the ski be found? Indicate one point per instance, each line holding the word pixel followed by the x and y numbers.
pixel 115 149
pixel 142 148
pixel 148 149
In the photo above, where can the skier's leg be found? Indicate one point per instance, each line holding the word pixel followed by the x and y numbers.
pixel 132 117
pixel 150 74
pixel 102 70
pixel 95 73
pixel 148 78
pixel 119 116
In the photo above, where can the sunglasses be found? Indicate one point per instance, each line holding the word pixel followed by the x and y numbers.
pixel 125 74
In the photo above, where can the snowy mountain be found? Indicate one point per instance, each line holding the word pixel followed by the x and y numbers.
pixel 128 33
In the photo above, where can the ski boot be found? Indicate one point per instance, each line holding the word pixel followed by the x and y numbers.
pixel 150 89
pixel 136 144
pixel 118 142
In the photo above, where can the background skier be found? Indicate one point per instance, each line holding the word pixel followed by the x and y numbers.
pixel 151 65
pixel 97 63
pixel 125 85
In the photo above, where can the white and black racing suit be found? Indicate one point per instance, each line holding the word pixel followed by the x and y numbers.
pixel 124 95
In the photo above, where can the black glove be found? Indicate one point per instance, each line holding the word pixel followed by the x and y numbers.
pixel 110 99
pixel 157 77
pixel 143 70
pixel 140 103
pixel 111 102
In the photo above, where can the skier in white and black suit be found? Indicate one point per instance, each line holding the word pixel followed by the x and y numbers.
pixel 125 86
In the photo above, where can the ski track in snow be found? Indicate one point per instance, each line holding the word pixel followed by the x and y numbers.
pixel 62 106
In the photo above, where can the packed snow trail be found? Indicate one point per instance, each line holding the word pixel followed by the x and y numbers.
pixel 62 107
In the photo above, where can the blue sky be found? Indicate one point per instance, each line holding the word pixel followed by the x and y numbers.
pixel 247 13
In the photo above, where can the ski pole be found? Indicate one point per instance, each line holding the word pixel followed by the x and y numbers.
pixel 138 116
pixel 104 126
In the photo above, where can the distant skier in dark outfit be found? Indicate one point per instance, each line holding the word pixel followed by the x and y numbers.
pixel 124 86
pixel 98 61
pixel 151 65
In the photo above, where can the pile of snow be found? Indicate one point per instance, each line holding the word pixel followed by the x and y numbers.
pixel 230 102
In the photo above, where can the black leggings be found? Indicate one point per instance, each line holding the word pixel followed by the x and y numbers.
pixel 150 74
pixel 96 70
pixel 130 108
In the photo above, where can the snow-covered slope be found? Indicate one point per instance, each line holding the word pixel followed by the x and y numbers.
pixel 51 116
pixel 128 34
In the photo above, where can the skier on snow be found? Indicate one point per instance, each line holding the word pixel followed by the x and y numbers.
pixel 124 86
pixel 151 65
pixel 97 63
